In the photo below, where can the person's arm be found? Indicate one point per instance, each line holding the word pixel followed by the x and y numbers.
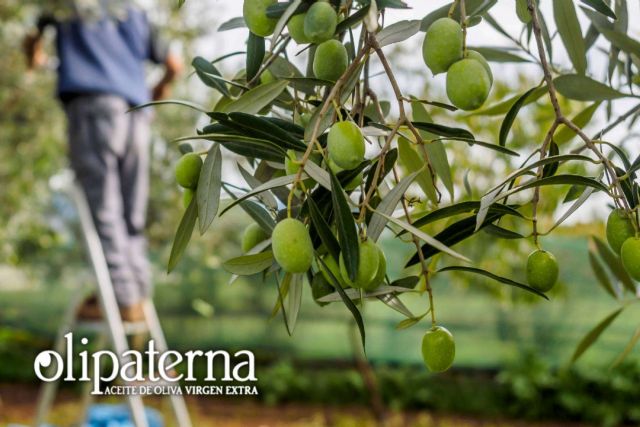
pixel 34 50
pixel 33 44
pixel 173 67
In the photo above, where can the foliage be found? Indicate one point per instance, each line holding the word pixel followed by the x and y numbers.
pixel 272 107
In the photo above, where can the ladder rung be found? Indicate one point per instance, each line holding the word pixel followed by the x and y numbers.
pixel 130 328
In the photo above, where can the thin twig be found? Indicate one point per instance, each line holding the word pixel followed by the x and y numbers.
pixel 323 110
pixel 560 118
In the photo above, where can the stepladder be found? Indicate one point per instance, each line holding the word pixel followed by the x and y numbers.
pixel 110 330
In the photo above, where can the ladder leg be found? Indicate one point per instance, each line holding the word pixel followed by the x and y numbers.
pixel 48 390
pixel 87 397
pixel 106 295
pixel 178 404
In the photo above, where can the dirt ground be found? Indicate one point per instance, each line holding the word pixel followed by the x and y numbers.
pixel 17 405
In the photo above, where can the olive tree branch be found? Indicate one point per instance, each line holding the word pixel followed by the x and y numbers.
pixel 560 118
pixel 423 263
pixel 313 140
pixel 402 119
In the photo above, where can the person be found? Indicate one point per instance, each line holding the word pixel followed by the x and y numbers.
pixel 101 75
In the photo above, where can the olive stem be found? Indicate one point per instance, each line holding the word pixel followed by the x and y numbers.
pixel 536 192
pixel 453 8
pixel 463 23
pixel 423 263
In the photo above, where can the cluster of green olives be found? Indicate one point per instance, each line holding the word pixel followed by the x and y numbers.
pixel 624 240
pixel 317 25
pixel 293 251
pixel 469 76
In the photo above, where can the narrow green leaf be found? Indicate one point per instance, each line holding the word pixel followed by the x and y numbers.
pixel 627 349
pixel 616 36
pixel 565 179
pixel 460 208
pixel 323 229
pixel 601 7
pixel 594 334
pixel 295 300
pixel 254 100
pixel 392 301
pixel 207 73
pixel 582 88
pixel 601 274
pixel 231 24
pixel 613 263
pixel 547 160
pixel 501 232
pixel 583 197
pixel 347 233
pixel 357 294
pixel 440 163
pixel 495 277
pixel 413 162
pixel 259 215
pixel 494 147
pixel 345 299
pixel 388 205
pixel 523 11
pixel 266 129
pixel 409 282
pixel 325 121
pixel 445 131
pixel 266 198
pixel 511 116
pixel 283 290
pixel 318 174
pixel 255 211
pixel 551 168
pixel 269 185
pixel 208 191
pixel 425 237
pixel 499 54
pixel 191 105
pixel 247 265
pixel 398 32
pixel 453 234
pixel 244 145
pixel 292 7
pixel 473 7
pixel 183 234
pixel 255 55
pixel 407 323
pixel 435 150
pixel 502 107
pixel 353 19
pixel 568 26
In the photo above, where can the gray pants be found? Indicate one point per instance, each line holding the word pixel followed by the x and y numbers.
pixel 109 152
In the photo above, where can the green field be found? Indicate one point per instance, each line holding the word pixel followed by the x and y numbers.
pixel 489 333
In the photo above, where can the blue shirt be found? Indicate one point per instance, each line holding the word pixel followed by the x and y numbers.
pixel 106 55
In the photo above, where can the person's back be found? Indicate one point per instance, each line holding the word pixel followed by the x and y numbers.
pixel 105 53
pixel 101 74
